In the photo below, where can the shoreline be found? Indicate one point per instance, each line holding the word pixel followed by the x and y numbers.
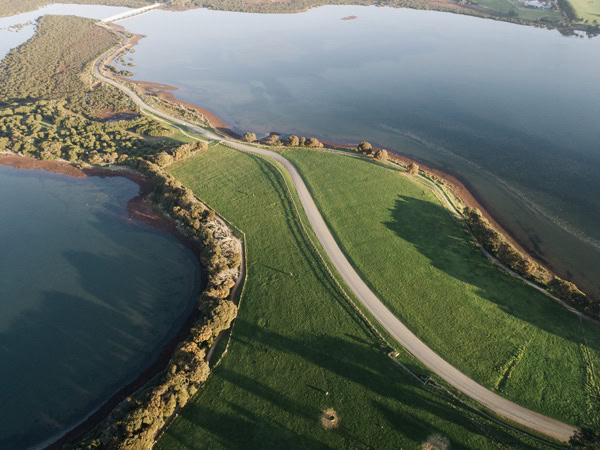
pixel 166 92
pixel 455 182
pixel 141 210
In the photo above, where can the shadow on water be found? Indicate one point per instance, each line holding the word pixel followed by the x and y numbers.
pixel 61 360
pixel 69 354
pixel 354 374
pixel 450 249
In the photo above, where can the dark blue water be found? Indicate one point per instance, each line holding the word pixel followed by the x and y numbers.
pixel 87 298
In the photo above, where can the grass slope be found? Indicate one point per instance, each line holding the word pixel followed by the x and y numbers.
pixel 587 10
pixel 422 264
pixel 296 339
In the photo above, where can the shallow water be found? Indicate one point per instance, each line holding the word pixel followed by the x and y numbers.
pixel 87 298
pixel 511 110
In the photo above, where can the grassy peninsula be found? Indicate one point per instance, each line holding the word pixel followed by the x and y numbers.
pixel 299 354
pixel 298 348
pixel 422 263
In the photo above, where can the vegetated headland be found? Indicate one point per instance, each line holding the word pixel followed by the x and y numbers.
pixel 486 229
pixel 63 124
pixel 49 110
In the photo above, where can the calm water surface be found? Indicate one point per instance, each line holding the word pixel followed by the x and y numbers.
pixel 87 298
pixel 513 110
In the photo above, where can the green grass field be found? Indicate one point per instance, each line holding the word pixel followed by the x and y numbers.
pixel 422 264
pixel 587 10
pixel 296 339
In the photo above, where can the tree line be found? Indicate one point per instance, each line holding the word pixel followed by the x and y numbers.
pixel 135 423
pixel 495 243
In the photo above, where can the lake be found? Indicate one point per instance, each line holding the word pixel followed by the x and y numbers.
pixel 513 111
pixel 88 298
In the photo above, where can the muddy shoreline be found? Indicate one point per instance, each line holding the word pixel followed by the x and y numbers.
pixel 140 209
pixel 166 92
pixel 460 186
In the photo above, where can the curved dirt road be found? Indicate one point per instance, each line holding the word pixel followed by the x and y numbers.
pixel 497 404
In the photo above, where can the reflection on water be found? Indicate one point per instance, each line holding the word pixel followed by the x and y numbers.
pixel 87 298
pixel 512 110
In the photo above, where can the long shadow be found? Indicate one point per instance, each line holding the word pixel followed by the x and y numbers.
pixel 438 237
pixel 61 361
pixel 376 381
pixel 72 352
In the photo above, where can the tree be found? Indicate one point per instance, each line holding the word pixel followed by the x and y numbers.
pixel 163 159
pixel 365 148
pixel 273 139
pixel 586 438
pixel 292 141
pixel 249 137
pixel 313 142
pixel 381 155
pixel 413 168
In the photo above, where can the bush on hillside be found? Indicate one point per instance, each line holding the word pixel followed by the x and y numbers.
pixel 249 137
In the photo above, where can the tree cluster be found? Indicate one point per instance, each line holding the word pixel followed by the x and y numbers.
pixel 136 421
pixel 179 153
pixel 367 149
pixel 413 169
pixel 497 245
pixel 46 130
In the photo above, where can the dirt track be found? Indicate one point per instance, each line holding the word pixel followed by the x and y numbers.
pixel 499 405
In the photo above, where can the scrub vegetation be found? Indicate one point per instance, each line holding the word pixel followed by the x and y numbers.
pixel 47 130
pixel 425 266
pixel 298 349
pixel 12 7
pixel 54 64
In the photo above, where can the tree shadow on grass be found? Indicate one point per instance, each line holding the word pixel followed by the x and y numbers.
pixel 436 235
pixel 247 405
